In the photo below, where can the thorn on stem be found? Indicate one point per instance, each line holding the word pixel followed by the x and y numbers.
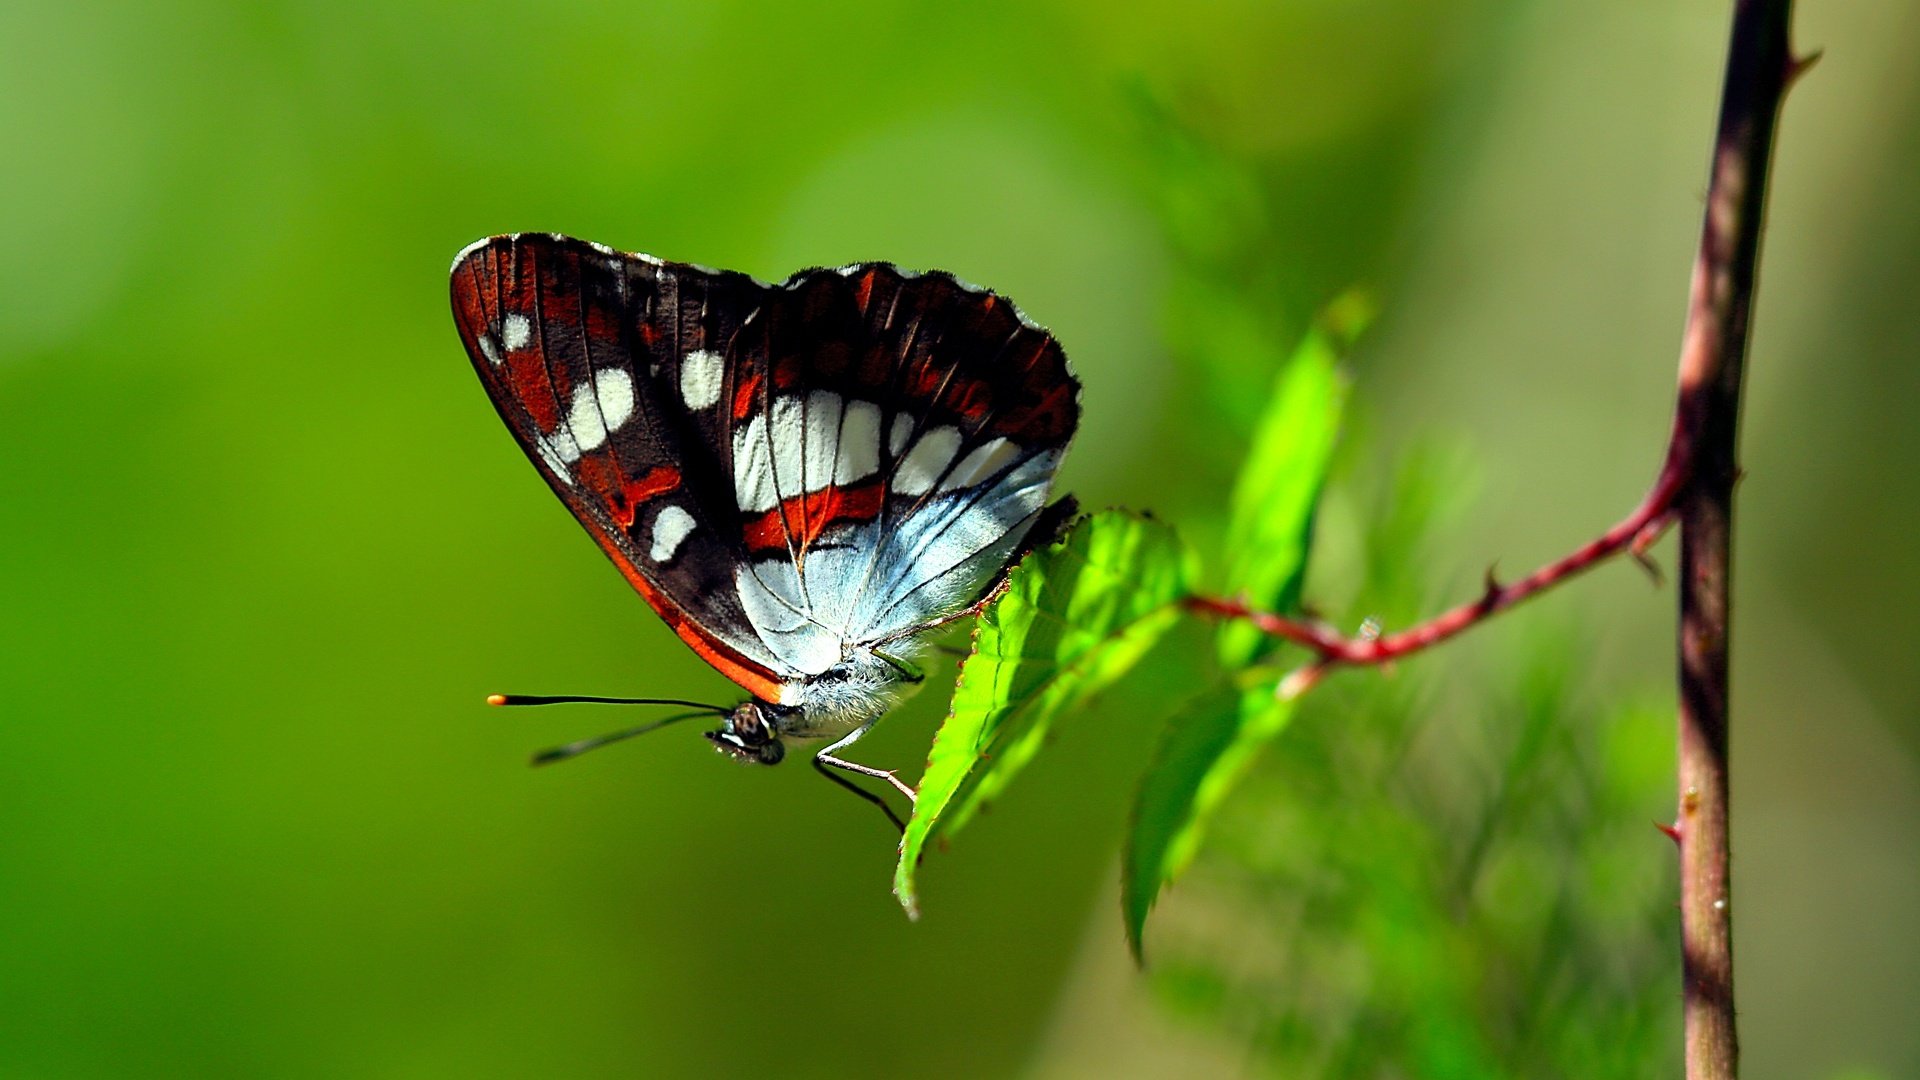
pixel 1490 587
pixel 1652 568
pixel 1672 831
pixel 1797 66
pixel 1644 539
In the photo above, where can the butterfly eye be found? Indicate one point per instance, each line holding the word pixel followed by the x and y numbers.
pixel 761 748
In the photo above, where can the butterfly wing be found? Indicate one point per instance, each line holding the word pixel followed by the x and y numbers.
pixel 894 437
pixel 780 472
pixel 597 360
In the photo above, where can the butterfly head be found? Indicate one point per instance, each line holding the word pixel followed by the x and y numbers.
pixel 751 734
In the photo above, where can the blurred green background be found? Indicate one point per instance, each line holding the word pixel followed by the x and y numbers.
pixel 264 546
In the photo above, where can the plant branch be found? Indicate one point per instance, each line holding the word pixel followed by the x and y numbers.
pixel 1760 68
pixel 1694 488
pixel 1721 299
pixel 1636 532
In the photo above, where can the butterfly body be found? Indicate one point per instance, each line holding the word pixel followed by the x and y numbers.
pixel 804 480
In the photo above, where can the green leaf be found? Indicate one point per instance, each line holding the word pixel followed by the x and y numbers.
pixel 1278 488
pixel 1075 617
pixel 1202 754
pixel 1209 747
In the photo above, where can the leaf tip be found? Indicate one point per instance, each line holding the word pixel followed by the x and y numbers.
pixel 1136 948
pixel 909 902
pixel 1349 314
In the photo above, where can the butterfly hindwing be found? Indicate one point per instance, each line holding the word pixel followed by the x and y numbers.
pixel 914 424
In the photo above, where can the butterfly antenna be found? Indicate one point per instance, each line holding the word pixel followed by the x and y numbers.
pixel 568 699
pixel 575 749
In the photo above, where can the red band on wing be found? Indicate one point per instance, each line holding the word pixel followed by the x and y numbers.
pixel 659 480
pixel 811 514
pixel 624 495
pixel 743 396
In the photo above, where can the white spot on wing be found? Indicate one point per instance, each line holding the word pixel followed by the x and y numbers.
pixel 917 472
pixel 979 464
pixel 752 471
pixel 823 437
pixel 614 389
pixel 859 455
pixel 559 453
pixel 583 419
pixel 516 332
pixel 700 376
pixel 789 444
pixel 671 527
pixel 596 411
pixel 487 347
pixel 897 435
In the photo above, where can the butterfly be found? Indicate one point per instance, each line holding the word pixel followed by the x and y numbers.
pixel 803 480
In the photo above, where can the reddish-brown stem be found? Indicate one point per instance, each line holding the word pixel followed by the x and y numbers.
pixel 1760 67
pixel 1694 488
pixel 1635 532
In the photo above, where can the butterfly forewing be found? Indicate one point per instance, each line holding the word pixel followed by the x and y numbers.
pixel 783 472
pixel 583 351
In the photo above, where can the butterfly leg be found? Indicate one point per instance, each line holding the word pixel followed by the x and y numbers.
pixel 876 800
pixel 908 672
pixel 826 757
